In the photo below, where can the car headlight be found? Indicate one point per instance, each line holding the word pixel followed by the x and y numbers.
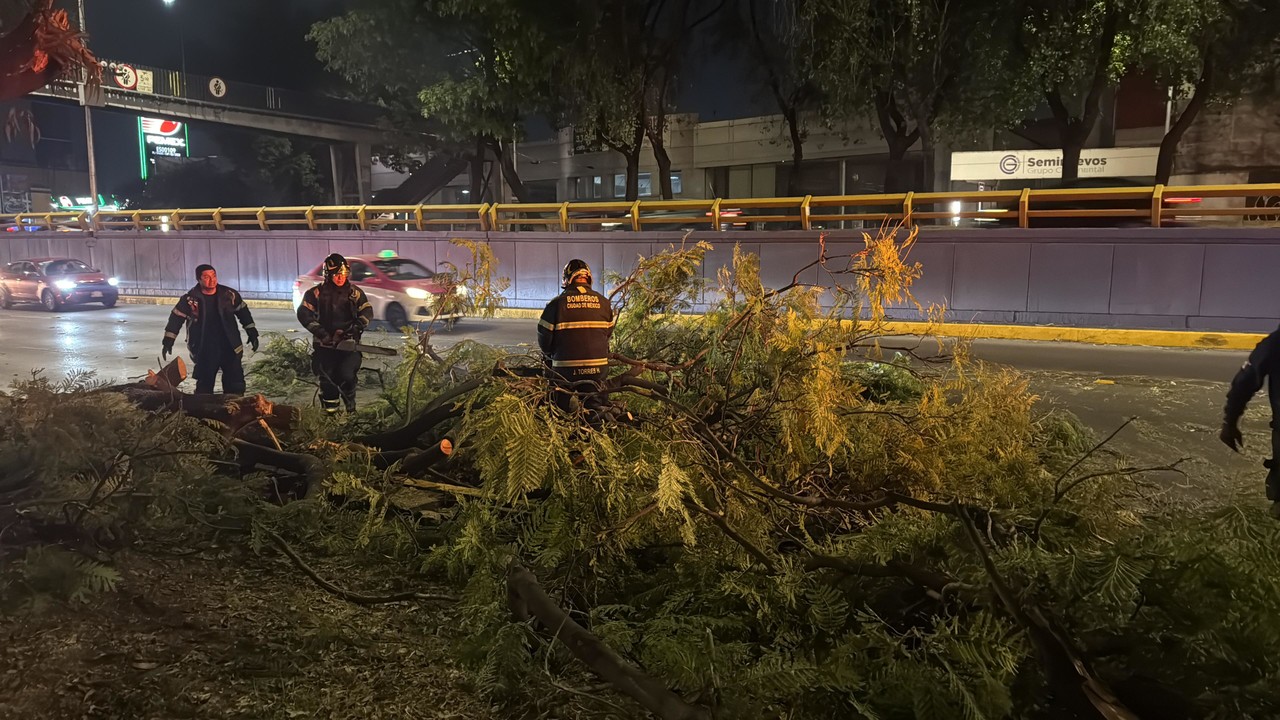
pixel 113 281
pixel 65 285
pixel 417 293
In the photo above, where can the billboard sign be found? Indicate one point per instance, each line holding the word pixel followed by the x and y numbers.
pixel 1047 164
pixel 159 138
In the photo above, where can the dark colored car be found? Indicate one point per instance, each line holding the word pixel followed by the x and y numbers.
pixel 55 282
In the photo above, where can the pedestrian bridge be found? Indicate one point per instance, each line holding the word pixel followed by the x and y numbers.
pixel 151 90
pixel 1209 265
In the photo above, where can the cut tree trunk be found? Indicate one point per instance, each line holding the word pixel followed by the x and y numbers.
pixel 169 377
pixel 418 464
pixel 309 469
pixel 441 408
pixel 237 415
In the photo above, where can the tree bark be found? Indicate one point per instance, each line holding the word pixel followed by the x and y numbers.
pixel 504 150
pixel 234 412
pixel 528 601
pixel 633 158
pixel 1169 144
pixel 927 151
pixel 656 133
pixel 418 464
pixel 441 408
pixel 795 182
pixel 893 127
pixel 476 172
pixel 308 467
pixel 1072 131
pixel 663 159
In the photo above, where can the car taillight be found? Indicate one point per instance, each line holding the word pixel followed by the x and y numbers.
pixel 1182 200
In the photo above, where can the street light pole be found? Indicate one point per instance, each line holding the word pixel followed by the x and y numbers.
pixel 88 127
pixel 182 44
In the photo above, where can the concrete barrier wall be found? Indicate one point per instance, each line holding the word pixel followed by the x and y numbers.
pixel 1177 278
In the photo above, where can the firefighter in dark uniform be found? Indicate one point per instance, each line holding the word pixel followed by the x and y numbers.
pixel 210 311
pixel 1258 370
pixel 574 335
pixel 336 313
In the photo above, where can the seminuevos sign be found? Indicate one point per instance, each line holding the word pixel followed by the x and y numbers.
pixel 1045 164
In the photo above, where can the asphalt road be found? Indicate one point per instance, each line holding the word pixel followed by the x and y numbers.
pixel 1175 394
pixel 123 342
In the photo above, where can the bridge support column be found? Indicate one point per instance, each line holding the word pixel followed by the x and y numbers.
pixel 335 166
pixel 364 172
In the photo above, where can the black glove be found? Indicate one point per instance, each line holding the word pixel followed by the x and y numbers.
pixel 324 338
pixel 253 342
pixel 166 349
pixel 1230 435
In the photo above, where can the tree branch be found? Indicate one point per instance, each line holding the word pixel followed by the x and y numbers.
pixel 528 601
pixel 343 593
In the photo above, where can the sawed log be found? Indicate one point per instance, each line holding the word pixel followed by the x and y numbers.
pixel 308 467
pixel 238 415
pixel 418 463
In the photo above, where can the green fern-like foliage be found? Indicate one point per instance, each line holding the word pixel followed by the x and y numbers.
pixel 674 542
pixel 48 573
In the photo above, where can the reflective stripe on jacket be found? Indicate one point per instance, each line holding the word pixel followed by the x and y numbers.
pixel 575 328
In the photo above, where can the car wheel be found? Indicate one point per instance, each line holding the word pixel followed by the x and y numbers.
pixel 110 301
pixel 49 301
pixel 396 316
pixel 6 302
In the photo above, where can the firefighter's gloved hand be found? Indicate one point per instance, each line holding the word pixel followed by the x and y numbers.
pixel 253 343
pixel 1231 436
pixel 166 349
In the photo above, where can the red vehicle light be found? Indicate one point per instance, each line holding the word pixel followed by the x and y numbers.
pixel 1182 200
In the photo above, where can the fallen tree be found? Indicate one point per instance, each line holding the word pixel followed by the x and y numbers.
pixel 790 522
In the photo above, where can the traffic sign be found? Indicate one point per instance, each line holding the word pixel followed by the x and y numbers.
pixel 217 87
pixel 126 76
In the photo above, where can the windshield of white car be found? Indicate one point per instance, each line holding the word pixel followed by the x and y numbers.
pixel 403 270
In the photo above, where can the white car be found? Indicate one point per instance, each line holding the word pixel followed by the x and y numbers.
pixel 402 291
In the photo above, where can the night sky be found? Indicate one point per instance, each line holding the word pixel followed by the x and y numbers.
pixel 264 42
pixel 257 41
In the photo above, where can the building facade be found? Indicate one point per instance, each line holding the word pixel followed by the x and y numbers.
pixel 751 157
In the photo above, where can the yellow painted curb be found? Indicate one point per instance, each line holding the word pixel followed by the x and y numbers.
pixel 1096 336
pixel 518 314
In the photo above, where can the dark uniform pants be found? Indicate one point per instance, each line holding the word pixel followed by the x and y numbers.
pixel 336 370
pixel 580 385
pixel 207 365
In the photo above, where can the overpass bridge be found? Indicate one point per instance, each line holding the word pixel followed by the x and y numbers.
pixel 172 94
pixel 1205 266
pixel 148 90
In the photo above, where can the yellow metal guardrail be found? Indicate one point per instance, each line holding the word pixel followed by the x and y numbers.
pixel 1020 208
